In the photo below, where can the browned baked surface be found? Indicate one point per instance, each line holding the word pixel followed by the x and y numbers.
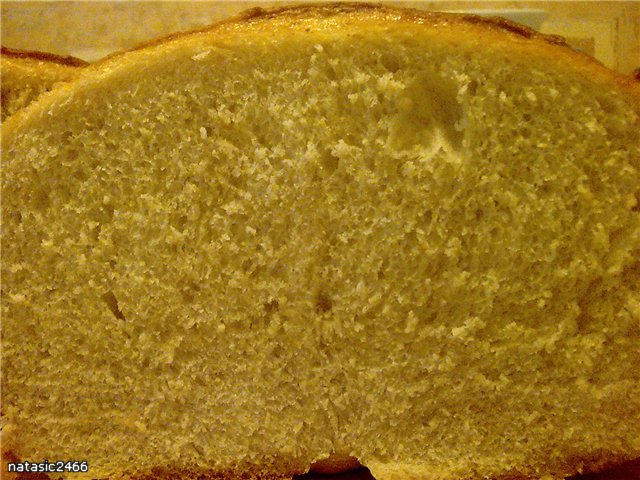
pixel 625 471
pixel 375 13
pixel 363 14
pixel 42 56
pixel 27 74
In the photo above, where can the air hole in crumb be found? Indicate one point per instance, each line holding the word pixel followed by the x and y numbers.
pixel 582 321
pixel 606 105
pixel 428 114
pixel 181 223
pixel 426 218
pixel 545 188
pixel 338 464
pixel 390 62
pixel 271 306
pixel 17 217
pixel 329 162
pixel 102 214
pixel 278 351
pixel 112 302
pixel 247 265
pixel 95 232
pixel 472 87
pixel 41 198
pixel 323 302
pixel 330 72
pixel 189 291
pixel 81 174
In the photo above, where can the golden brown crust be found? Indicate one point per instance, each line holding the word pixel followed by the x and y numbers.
pixel 498 30
pixel 612 471
pixel 413 15
pixel 289 16
pixel 439 19
pixel 28 74
pixel 621 471
pixel 376 11
pixel 595 468
pixel 519 39
pixel 68 60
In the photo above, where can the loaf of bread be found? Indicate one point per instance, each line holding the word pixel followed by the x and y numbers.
pixel 26 75
pixel 408 238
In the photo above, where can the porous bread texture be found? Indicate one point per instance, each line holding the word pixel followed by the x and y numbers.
pixel 358 232
pixel 27 75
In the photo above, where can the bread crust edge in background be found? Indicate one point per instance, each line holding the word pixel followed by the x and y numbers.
pixel 67 60
pixel 28 74
pixel 549 46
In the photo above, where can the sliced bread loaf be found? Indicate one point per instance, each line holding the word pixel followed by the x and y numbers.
pixel 407 237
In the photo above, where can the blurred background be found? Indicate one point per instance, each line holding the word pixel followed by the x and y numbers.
pixel 610 31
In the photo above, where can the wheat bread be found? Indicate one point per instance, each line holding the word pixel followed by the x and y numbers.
pixel 406 237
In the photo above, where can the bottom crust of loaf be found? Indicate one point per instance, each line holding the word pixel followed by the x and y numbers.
pixel 597 469
pixel 629 470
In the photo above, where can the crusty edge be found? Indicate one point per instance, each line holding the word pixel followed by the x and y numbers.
pixel 598 466
pixel 250 21
pixel 248 473
pixel 32 74
pixel 495 24
pixel 593 469
pixel 340 8
pixel 68 60
pixel 411 15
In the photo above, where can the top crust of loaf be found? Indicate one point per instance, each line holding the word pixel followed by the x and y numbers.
pixel 325 16
pixel 328 17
